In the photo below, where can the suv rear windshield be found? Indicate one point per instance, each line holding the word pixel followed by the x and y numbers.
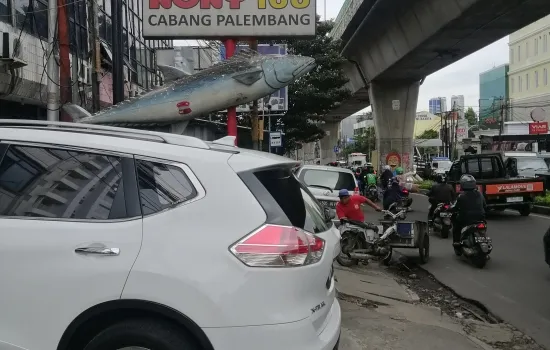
pixel 294 199
pixel 334 180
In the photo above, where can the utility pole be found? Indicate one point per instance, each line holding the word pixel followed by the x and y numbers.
pixel 118 53
pixel 501 127
pixel 446 133
pixel 53 73
pixel 64 58
pixel 254 122
pixel 93 24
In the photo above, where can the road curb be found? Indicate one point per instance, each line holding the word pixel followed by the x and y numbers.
pixel 537 209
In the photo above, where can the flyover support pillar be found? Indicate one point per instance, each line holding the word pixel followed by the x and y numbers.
pixel 328 142
pixel 394 110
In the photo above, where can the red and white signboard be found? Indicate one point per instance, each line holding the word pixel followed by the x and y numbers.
pixel 538 128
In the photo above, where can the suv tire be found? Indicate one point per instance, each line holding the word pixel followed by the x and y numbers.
pixel 525 211
pixel 145 333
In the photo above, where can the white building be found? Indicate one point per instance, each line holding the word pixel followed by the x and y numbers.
pixel 457 104
pixel 529 65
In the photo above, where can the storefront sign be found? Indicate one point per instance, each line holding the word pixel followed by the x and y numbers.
pixel 195 19
pixel 515 188
pixel 538 128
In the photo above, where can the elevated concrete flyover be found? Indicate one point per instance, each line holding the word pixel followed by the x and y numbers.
pixel 392 45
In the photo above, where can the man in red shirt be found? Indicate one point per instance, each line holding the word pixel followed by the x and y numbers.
pixel 349 206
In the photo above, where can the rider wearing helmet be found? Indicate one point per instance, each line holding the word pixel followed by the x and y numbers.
pixel 392 194
pixel 470 206
pixel 441 192
pixel 386 176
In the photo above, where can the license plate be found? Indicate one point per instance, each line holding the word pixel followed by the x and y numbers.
pixel 514 199
pixel 329 204
pixel 483 240
pixel 445 215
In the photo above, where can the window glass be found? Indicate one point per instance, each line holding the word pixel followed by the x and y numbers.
pixel 162 186
pixel 56 183
pixel 333 180
pixel 5 11
pixel 300 207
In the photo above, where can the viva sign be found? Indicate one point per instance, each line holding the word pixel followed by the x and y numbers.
pixel 538 128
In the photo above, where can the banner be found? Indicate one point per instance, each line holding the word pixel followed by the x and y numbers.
pixel 538 128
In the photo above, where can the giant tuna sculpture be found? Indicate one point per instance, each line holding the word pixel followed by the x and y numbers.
pixel 245 77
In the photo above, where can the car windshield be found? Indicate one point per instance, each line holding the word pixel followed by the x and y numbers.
pixel 537 164
pixel 334 180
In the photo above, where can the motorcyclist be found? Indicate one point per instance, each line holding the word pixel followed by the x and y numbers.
pixel 349 206
pixel 470 207
pixel 441 192
pixel 392 194
pixel 386 176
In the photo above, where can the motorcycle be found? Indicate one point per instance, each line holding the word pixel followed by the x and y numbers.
pixel 407 200
pixel 361 241
pixel 372 193
pixel 475 244
pixel 442 223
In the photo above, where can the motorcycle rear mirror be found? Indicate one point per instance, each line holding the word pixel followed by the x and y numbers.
pixel 329 215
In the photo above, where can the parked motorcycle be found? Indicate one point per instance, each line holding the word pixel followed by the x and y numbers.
pixel 442 222
pixel 475 244
pixel 361 241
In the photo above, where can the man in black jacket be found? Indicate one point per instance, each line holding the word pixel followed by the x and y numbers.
pixel 470 207
pixel 385 177
pixel 441 192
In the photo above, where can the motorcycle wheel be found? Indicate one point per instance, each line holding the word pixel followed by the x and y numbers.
pixel 458 251
pixel 387 259
pixel 479 260
pixel 346 246
pixel 445 232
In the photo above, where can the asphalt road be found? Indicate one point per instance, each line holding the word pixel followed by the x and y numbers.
pixel 515 283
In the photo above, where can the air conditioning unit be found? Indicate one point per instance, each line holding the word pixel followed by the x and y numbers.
pixel 11 51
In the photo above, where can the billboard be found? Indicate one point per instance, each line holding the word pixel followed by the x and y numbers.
pixel 196 19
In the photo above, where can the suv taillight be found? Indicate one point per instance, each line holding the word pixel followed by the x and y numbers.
pixel 279 246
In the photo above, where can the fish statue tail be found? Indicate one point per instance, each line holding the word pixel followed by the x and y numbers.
pixel 76 112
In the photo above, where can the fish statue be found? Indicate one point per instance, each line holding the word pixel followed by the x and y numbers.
pixel 245 77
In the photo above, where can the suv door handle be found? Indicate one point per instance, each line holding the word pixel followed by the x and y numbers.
pixel 98 251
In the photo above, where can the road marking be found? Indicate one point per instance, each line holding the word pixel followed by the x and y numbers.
pixel 507 210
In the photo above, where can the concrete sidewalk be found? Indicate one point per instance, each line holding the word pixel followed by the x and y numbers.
pixel 379 313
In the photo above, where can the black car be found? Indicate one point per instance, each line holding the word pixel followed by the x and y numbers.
pixel 546 242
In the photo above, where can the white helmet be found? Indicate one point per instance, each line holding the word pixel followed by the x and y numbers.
pixel 387 167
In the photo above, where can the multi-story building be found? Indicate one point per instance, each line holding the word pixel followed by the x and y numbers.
pixel 493 94
pixel 24 54
pixel 457 104
pixel 438 105
pixel 529 65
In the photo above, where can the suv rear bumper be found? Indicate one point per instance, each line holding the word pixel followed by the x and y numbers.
pixel 299 335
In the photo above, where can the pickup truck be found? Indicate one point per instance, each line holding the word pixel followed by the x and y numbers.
pixel 498 181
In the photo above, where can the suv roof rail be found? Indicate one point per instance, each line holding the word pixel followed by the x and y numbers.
pixel 135 134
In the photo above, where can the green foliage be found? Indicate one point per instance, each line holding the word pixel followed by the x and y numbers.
pixel 470 115
pixel 425 185
pixel 543 200
pixel 429 134
pixel 363 143
pixel 314 95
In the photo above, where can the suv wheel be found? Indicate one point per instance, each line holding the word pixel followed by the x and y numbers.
pixel 141 334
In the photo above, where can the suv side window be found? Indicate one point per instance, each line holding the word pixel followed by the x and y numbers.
pixel 60 184
pixel 162 186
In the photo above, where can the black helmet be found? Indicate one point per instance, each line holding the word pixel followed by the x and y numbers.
pixel 439 178
pixel 468 182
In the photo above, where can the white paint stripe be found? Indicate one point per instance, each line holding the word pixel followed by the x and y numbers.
pixel 507 210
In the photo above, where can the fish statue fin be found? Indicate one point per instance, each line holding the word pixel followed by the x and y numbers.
pixel 250 77
pixel 76 112
pixel 172 73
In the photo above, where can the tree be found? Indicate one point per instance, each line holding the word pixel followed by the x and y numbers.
pixel 312 96
pixel 363 143
pixel 470 115
pixel 429 134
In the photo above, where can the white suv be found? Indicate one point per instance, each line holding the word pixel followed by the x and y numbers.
pixel 115 238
